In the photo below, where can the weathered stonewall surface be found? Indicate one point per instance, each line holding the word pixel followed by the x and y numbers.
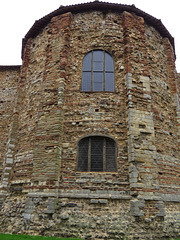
pixel 44 115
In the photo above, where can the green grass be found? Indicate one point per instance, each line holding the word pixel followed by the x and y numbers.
pixel 27 237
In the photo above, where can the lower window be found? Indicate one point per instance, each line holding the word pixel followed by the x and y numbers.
pixel 97 154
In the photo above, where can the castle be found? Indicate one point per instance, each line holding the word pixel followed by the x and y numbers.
pixel 90 127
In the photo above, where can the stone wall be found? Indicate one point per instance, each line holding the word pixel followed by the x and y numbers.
pixel 65 216
pixel 94 113
pixel 9 78
pixel 138 201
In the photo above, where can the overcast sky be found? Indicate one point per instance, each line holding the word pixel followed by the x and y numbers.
pixel 17 17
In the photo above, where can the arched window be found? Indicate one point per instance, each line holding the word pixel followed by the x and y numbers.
pixel 98 72
pixel 97 154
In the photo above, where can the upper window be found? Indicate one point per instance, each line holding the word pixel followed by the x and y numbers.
pixel 97 154
pixel 98 72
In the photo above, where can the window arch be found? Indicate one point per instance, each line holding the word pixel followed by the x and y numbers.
pixel 98 72
pixel 97 154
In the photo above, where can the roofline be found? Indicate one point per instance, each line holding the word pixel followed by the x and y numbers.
pixel 10 67
pixel 101 6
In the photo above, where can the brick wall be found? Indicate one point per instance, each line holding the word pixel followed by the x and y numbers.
pixel 9 77
pixel 53 114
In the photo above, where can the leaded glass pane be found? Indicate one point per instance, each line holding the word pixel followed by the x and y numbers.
pixel 98 56
pixel 109 82
pixel 109 64
pixel 87 62
pixel 83 154
pixel 86 81
pixel 97 81
pixel 98 72
pixel 110 155
pixel 96 154
pixel 98 61
pixel 97 66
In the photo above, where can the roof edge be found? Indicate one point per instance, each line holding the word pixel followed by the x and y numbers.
pixel 8 67
pixel 101 6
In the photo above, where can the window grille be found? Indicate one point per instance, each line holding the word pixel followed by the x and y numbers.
pixel 98 72
pixel 97 154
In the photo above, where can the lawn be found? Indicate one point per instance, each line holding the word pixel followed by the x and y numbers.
pixel 26 237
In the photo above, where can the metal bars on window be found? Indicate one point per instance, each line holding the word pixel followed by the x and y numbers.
pixel 98 72
pixel 97 154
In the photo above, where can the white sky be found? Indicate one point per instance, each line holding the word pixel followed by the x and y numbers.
pixel 17 17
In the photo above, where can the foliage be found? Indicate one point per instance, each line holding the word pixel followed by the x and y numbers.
pixel 27 237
